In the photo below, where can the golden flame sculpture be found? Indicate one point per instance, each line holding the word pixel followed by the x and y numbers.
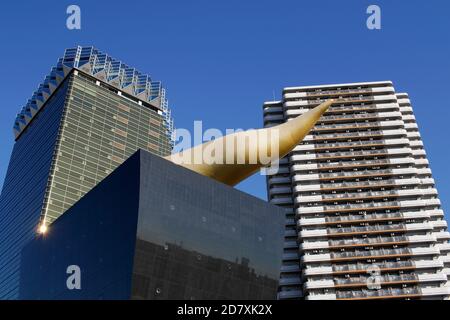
pixel 223 160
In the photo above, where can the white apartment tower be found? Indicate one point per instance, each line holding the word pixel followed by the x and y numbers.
pixel 363 217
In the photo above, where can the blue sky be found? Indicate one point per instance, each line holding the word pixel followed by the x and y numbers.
pixel 221 59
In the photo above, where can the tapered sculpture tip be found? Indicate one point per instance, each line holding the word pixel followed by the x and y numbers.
pixel 323 107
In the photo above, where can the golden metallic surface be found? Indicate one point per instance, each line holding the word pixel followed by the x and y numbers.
pixel 231 164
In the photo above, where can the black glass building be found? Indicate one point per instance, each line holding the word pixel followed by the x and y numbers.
pixel 155 230
pixel 90 114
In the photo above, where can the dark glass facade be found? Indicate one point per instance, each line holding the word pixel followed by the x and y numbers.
pixel 24 189
pixel 154 230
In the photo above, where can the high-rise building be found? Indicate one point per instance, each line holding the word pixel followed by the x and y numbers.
pixel 89 115
pixel 363 217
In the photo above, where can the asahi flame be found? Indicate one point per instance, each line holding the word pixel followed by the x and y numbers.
pixel 234 157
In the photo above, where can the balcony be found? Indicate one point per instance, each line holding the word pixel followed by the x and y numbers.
pixel 429 264
pixel 369 254
pixel 356 255
pixel 340 92
pixel 436 291
pixel 352 219
pixel 418 152
pixel 304 101
pixel 295 109
pixel 349 145
pixel 442 235
pixel 363 267
pixel 356 185
pixel 374 206
pixel 364 107
pixel 362 173
pixel 356 135
pixel 351 196
pixel 325 296
pixel 353 174
pixel 339 232
pixel 432 277
pixel 398 124
pixel 361 99
pixel 391 293
pixel 403 101
pixel 347 196
pixel 360 195
pixel 379 241
pixel 444 247
pixel 410 126
pixel 357 116
pixel 360 267
pixel 363 163
pixel 357 268
pixel 356 144
pixel 354 154
pixel 439 224
pixel 366 230
pixel 384 280
pixel 359 207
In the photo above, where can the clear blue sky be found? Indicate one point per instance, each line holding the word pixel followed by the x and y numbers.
pixel 221 59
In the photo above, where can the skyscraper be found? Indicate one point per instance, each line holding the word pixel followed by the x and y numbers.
pixel 89 115
pixel 363 217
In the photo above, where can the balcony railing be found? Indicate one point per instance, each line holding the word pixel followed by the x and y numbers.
pixel 344 135
pixel 361 184
pixel 349 108
pixel 370 253
pixel 352 164
pixel 391 292
pixel 349 125
pixel 343 100
pixel 366 217
pixel 364 195
pixel 353 154
pixel 338 175
pixel 369 266
pixel 346 145
pixel 338 92
pixel 349 116
pixel 362 206
pixel 382 279
pixel 367 241
pixel 353 229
